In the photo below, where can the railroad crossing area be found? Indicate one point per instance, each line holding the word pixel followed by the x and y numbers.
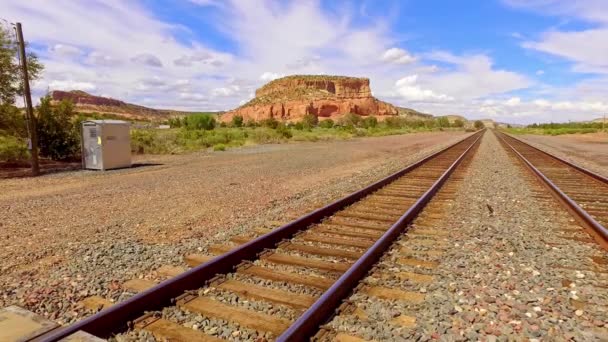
pixel 489 239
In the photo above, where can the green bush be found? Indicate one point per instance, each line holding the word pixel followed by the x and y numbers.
pixel 349 120
pixel 478 124
pixel 299 126
pixel 12 149
pixel 175 122
pixel 309 121
pixel 284 131
pixel 237 121
pixel 58 136
pixel 328 123
pixel 442 122
pixel 200 121
pixel 270 123
pixel 369 122
pixel 144 141
pixel 395 122
pixel 458 123
pixel 360 132
pixel 219 147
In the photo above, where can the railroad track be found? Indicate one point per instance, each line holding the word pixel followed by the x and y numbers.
pixel 391 301
pixel 583 192
pixel 285 283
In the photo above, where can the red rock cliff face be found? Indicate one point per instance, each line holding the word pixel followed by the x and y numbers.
pixel 82 98
pixel 291 98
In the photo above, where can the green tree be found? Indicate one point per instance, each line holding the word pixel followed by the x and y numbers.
pixel 237 121
pixel 11 84
pixel 12 121
pixel 58 137
pixel 200 121
pixel 458 123
pixel 478 124
pixel 443 121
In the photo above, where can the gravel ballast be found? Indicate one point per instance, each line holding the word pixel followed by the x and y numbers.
pixel 508 271
pixel 77 234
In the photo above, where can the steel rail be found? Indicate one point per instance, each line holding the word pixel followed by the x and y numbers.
pixel 577 167
pixel 322 310
pixel 571 205
pixel 116 317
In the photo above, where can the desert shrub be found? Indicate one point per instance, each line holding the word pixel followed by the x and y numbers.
pixel 270 123
pixel 369 122
pixel 478 124
pixel 328 123
pixel 200 121
pixel 12 149
pixel 442 122
pixel 175 122
pixel 58 137
pixel 144 141
pixel 219 147
pixel 251 123
pixel 299 126
pixel 395 122
pixel 309 121
pixel 284 131
pixel 359 132
pixel 349 120
pixel 264 135
pixel 458 123
pixel 237 121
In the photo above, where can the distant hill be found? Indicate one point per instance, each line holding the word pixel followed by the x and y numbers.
pixel 453 118
pixel 87 103
pixel 413 114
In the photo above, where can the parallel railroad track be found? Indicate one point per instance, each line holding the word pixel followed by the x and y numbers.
pixel 583 192
pixel 390 300
pixel 300 272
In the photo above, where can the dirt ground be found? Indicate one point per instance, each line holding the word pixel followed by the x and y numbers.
pixel 170 198
pixel 587 150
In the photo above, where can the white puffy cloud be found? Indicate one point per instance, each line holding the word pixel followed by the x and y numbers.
pixel 269 76
pixel 408 90
pixel 397 56
pixel 71 85
pixel 66 50
pixel 474 77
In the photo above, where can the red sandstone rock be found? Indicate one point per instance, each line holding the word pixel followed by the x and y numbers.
pixel 290 98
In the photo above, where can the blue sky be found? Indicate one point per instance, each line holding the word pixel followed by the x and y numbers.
pixel 510 60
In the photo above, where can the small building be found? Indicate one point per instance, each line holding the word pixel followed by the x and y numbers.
pixel 106 144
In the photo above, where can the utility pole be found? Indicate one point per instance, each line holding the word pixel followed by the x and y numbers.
pixel 31 119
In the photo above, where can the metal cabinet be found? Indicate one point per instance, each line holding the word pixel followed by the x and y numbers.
pixel 106 144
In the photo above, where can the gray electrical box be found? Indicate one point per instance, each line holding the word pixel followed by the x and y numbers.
pixel 106 144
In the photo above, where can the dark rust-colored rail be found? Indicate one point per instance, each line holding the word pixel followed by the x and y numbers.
pixel 116 318
pixel 590 186
pixel 308 324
